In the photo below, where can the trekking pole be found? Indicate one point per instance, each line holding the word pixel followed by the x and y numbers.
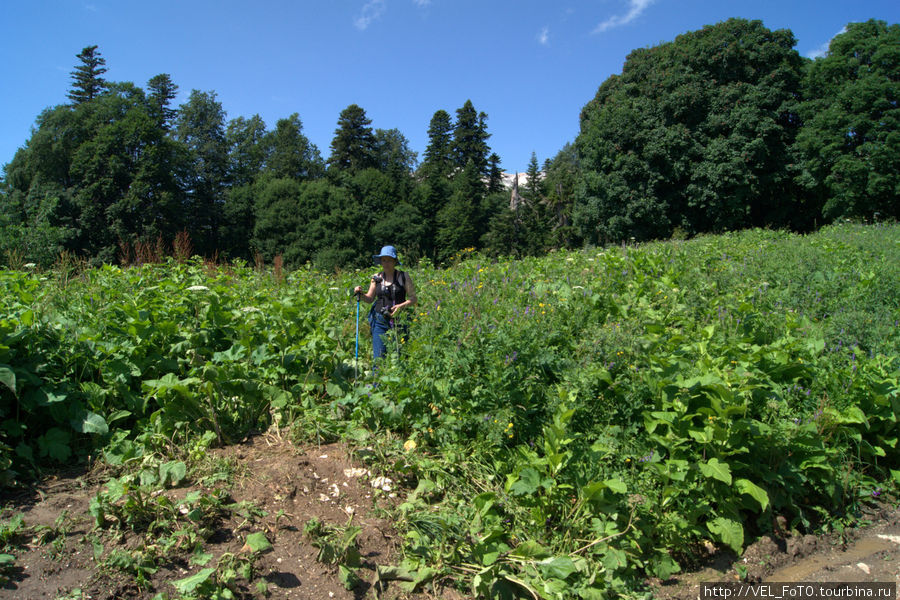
pixel 356 360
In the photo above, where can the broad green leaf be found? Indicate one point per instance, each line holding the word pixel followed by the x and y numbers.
pixel 592 490
pixel 730 533
pixel 559 567
pixel 89 422
pixel 172 472
pixel 347 577
pixel 702 435
pixel 189 584
pixel 55 444
pixel 530 549
pixel 200 557
pixel 527 484
pixel 257 542
pixel 745 486
pixel 616 485
pixel 8 377
pixel 664 566
pixel 715 469
pixel 116 416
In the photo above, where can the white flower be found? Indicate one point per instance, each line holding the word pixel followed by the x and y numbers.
pixel 249 309
pixel 197 288
pixel 29 265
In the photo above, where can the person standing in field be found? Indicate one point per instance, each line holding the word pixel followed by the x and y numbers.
pixel 391 291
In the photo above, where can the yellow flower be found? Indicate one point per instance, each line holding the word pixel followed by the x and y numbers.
pixel 409 445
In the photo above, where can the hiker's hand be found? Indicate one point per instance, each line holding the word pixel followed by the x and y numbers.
pixel 357 290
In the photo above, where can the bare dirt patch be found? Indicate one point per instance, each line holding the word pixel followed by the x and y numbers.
pixel 280 488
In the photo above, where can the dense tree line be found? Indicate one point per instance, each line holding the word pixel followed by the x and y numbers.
pixel 728 127
pixel 723 128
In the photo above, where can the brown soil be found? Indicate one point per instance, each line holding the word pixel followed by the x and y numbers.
pixel 292 485
pixel 869 553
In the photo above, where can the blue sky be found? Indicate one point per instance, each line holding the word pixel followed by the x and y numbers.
pixel 530 65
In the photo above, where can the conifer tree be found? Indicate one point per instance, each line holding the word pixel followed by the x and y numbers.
pixel 459 220
pixel 470 139
pixel 495 175
pixel 162 91
pixel 353 146
pixel 87 80
pixel 438 161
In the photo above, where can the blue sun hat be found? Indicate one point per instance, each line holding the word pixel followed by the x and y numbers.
pixel 386 251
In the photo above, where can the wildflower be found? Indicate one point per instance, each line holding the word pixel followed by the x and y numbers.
pixel 409 445
pixel 197 288
pixel 250 309
pixel 29 265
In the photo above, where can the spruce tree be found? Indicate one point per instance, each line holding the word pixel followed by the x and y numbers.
pixel 162 91
pixel 353 146
pixel 470 139
pixel 438 161
pixel 495 174
pixel 87 80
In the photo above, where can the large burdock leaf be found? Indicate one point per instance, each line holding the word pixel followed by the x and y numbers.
pixel 88 422
pixel 730 533
pixel 716 470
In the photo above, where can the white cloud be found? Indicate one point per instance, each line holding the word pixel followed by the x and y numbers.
pixel 422 3
pixel 635 8
pixel 543 37
pixel 823 49
pixel 371 11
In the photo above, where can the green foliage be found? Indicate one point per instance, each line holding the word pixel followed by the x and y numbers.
pixel 353 147
pixel 87 80
pixel 848 146
pixel 694 133
pixel 581 420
